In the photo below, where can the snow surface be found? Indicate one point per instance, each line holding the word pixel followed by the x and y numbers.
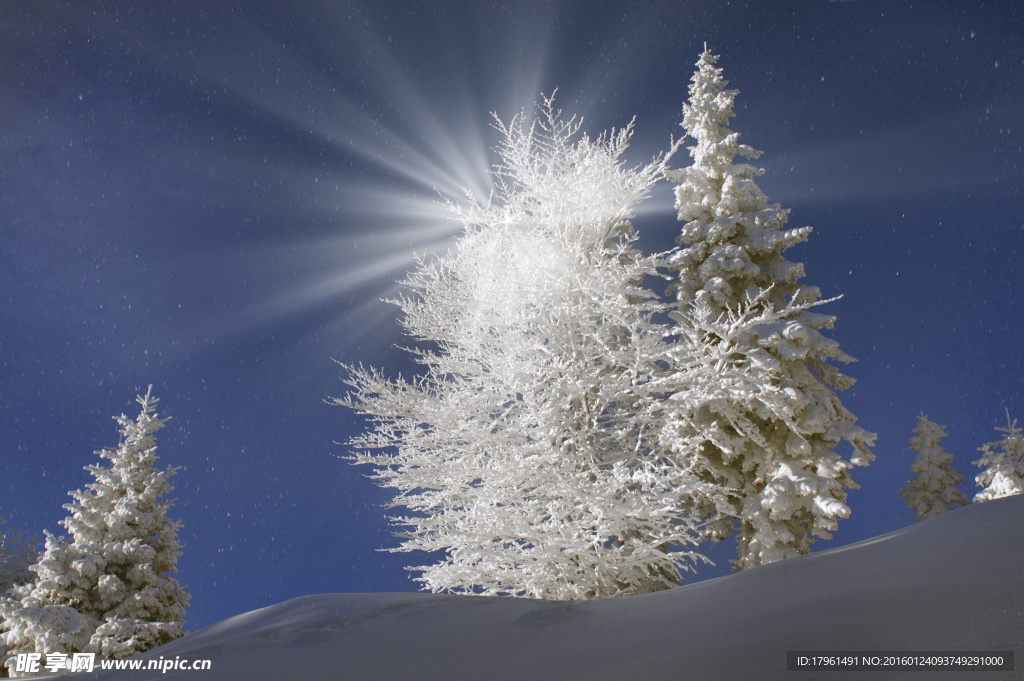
pixel 955 582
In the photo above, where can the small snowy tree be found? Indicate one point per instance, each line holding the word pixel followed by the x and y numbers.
pixel 933 490
pixel 776 455
pixel 17 553
pixel 527 452
pixel 1003 461
pixel 108 588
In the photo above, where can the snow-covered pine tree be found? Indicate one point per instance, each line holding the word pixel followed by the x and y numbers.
pixel 17 553
pixel 527 450
pixel 933 490
pixel 1003 461
pixel 108 588
pixel 777 457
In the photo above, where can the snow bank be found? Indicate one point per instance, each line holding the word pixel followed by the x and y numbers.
pixel 950 583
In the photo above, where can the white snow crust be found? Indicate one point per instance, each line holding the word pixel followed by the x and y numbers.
pixel 950 583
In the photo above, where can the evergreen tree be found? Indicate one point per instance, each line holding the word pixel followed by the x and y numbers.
pixel 107 589
pixel 933 491
pixel 528 452
pixel 778 459
pixel 1003 461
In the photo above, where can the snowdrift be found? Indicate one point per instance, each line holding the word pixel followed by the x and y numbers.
pixel 952 583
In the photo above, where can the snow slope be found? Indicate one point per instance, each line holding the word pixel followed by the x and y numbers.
pixel 955 582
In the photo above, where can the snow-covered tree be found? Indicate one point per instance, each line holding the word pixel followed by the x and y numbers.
pixel 933 490
pixel 1003 461
pixel 107 589
pixel 527 451
pixel 776 455
pixel 17 553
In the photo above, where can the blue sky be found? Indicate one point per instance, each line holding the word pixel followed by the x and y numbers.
pixel 213 198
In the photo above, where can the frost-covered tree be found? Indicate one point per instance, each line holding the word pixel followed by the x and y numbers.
pixel 933 490
pixel 527 450
pixel 777 456
pixel 17 553
pixel 1003 461
pixel 107 588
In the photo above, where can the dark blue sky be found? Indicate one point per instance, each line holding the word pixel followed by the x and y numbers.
pixel 212 197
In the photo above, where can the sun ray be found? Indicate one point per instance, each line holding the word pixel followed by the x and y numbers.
pixel 410 144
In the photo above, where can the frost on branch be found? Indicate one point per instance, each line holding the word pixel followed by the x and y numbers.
pixel 933 489
pixel 1003 461
pixel 107 589
pixel 527 451
pixel 776 456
